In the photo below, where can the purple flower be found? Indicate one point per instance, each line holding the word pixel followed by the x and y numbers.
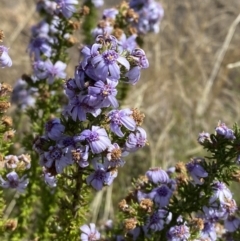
pixel 213 213
pixel 14 182
pixel 47 5
pixel 133 75
pixel 97 3
pixel 54 129
pixel 209 231
pixel 232 223
pixel 66 7
pixel 22 96
pixel 40 70
pixel 89 53
pixel 101 176
pixel 161 195
pixel 204 136
pixel 89 233
pixel 105 93
pixel 178 233
pixel 49 179
pixel 39 46
pixel 220 192
pixel 97 139
pixel 156 221
pixel 72 89
pixel 104 28
pixel 136 140
pixel 140 59
pixel 80 106
pixel 56 158
pixel 196 171
pixel 80 155
pixel 110 13
pixel 55 71
pixel 106 64
pixel 157 175
pixel 129 43
pixel 119 118
pixel 5 60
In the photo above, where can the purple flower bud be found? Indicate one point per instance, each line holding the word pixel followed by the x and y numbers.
pixel 136 140
pixel 224 131
pixel 196 171
pixel 157 175
pixel 5 60
pixel 202 137
pixel 54 129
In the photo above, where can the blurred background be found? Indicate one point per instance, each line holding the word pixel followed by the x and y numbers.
pixel 193 80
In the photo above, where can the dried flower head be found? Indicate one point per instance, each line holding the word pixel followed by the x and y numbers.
pixel 1 35
pixel 146 204
pixel 7 121
pixel 180 167
pixel 85 10
pixel 130 224
pixel 5 89
pixel 10 225
pixel 4 105
pixel 8 135
pixel 137 116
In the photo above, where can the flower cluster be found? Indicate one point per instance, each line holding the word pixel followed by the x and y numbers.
pixel 150 13
pixel 11 163
pixel 188 201
pixel 90 94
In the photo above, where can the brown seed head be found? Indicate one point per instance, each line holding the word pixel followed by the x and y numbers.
pixel 123 205
pixel 1 35
pixel 130 224
pixel 5 89
pixel 197 224
pixel 236 176
pixel 118 33
pixel 180 167
pixel 132 15
pixel 74 24
pixel 10 225
pixel 4 106
pixel 7 121
pixel 85 10
pixel 146 204
pixel 138 116
pixel 8 135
